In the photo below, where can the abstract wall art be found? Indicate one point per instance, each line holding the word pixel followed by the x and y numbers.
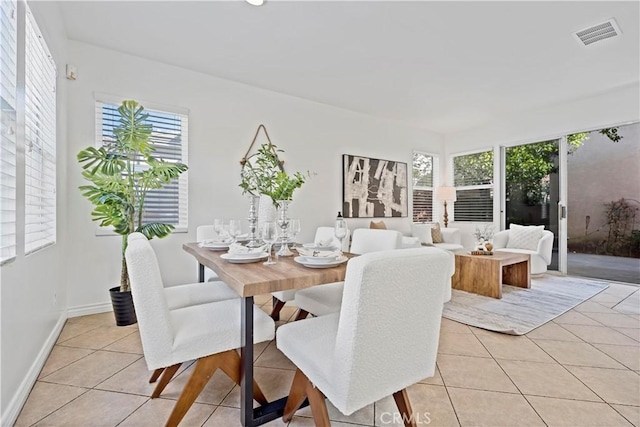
pixel 373 188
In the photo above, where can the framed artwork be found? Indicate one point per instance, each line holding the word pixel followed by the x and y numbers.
pixel 373 188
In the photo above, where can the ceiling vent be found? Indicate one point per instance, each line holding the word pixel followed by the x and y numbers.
pixel 598 32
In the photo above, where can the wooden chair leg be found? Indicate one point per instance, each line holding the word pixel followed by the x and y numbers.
pixel 203 371
pixel 277 306
pixel 155 375
pixel 231 366
pixel 164 380
pixel 318 406
pixel 302 314
pixel 297 394
pixel 404 406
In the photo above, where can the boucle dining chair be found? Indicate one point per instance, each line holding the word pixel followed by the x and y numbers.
pixel 180 296
pixel 323 234
pixel 326 299
pixel 208 333
pixel 384 339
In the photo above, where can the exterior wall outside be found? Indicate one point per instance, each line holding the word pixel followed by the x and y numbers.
pixel 599 172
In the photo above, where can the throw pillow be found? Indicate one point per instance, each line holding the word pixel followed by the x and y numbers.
pixel 436 234
pixel 524 236
pixel 422 232
pixel 378 225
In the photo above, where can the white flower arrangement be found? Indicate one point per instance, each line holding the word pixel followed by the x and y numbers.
pixel 484 234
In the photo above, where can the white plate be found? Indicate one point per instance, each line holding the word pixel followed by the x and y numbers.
pixel 244 259
pixel 299 260
pixel 247 254
pixel 318 259
pixel 214 245
pixel 315 247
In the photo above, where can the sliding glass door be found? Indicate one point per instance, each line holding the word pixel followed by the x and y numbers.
pixel 532 188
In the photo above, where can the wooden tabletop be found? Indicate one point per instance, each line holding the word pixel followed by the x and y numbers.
pixel 505 258
pixel 256 278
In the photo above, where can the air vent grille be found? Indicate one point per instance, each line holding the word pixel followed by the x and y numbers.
pixel 598 32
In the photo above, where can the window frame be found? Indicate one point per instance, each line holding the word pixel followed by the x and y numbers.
pixel 183 180
pixel 462 188
pixel 39 168
pixel 435 170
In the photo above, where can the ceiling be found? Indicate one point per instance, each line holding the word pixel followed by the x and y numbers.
pixel 441 66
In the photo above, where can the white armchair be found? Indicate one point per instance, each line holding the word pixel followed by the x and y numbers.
pixel 540 256
pixel 383 340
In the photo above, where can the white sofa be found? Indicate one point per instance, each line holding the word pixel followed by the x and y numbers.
pixel 451 240
pixel 540 257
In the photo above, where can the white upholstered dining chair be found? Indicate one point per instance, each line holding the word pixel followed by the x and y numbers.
pixel 326 299
pixel 208 333
pixel 383 339
pixel 323 234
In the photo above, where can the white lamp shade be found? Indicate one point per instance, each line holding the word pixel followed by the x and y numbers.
pixel 446 194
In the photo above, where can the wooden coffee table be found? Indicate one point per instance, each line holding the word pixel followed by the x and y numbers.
pixel 485 274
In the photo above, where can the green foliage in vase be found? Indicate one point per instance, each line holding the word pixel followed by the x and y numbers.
pixel 121 174
pixel 263 173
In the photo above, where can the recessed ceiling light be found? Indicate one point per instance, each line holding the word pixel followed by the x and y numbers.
pixel 255 2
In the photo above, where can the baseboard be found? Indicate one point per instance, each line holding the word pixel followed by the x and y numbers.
pixel 22 393
pixel 84 310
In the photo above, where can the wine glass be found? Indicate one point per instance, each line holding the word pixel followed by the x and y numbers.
pixel 294 229
pixel 234 229
pixel 340 231
pixel 269 233
pixel 218 227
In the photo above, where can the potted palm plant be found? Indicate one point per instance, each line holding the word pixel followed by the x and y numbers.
pixel 121 173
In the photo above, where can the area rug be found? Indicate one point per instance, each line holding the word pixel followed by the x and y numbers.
pixel 522 310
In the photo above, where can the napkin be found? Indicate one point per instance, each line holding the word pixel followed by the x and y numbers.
pixel 325 243
pixel 317 253
pixel 237 248
pixel 219 240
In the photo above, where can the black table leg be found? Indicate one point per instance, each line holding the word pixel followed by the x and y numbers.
pixel 200 272
pixel 246 360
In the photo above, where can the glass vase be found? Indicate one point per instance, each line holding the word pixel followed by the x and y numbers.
pixel 283 223
pixel 254 241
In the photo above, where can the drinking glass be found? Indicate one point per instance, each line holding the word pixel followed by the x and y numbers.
pixel 340 231
pixel 234 229
pixel 218 227
pixel 269 233
pixel 294 229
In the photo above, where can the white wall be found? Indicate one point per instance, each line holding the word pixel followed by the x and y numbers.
pixel 603 110
pixel 222 121
pixel 33 287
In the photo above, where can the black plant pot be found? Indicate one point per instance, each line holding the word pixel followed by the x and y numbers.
pixel 123 308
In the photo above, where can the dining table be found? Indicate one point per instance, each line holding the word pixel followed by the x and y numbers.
pixel 249 280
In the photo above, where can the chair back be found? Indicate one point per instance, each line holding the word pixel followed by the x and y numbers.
pixel 367 240
pixel 152 311
pixel 325 233
pixel 205 232
pixel 389 324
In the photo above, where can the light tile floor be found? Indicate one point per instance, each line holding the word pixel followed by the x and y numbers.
pixel 582 369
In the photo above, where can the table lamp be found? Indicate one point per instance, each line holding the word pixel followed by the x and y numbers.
pixel 445 194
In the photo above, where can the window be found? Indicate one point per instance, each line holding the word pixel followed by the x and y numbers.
pixel 473 179
pixel 40 140
pixel 170 140
pixel 8 83
pixel 425 175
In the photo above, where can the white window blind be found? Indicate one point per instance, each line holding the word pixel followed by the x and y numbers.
pixel 8 58
pixel 473 179
pixel 169 137
pixel 425 177
pixel 40 140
